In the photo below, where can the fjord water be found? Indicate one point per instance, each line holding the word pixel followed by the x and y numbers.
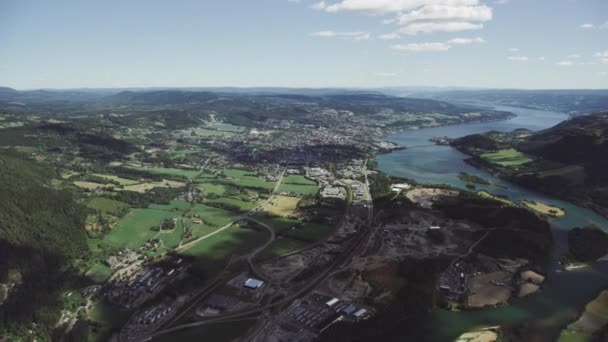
pixel 564 293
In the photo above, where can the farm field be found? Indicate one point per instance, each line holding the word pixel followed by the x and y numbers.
pixel 172 239
pixel 188 173
pixel 507 158
pixel 174 205
pixel 282 206
pixel 89 185
pixel 212 216
pixel 226 127
pixel 143 187
pixel 310 232
pixel 211 188
pixel 278 224
pixel 298 185
pixel 106 205
pixel 246 179
pixel 121 181
pixel 205 132
pixel 220 247
pixel 281 246
pixel 134 229
pixel 99 273
pixel 234 204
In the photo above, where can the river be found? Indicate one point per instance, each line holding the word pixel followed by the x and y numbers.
pixel 564 293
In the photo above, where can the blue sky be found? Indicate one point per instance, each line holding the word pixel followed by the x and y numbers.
pixel 304 43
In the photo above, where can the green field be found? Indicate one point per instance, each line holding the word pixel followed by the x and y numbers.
pixel 174 205
pixel 178 154
pixel 133 230
pixel 233 202
pixel 246 179
pixel 507 158
pixel 188 173
pixel 119 180
pixel 106 205
pixel 282 246
pixel 211 188
pixel 213 216
pixel 226 127
pixel 278 224
pixel 99 273
pixel 298 185
pixel 220 247
pixel 204 132
pixel 171 239
pixel 309 232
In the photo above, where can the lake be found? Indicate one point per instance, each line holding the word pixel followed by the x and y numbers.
pixel 564 293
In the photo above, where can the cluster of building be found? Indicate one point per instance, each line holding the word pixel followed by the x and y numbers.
pixel 307 318
pixel 453 281
pixel 144 286
pixel 333 192
pixel 122 259
pixel 154 314
pixel 358 189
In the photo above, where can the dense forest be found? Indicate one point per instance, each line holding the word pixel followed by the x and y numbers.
pixel 41 231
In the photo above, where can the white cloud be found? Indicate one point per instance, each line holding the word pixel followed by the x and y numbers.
pixel 602 56
pixel 430 27
pixel 466 40
pixel 604 26
pixel 501 2
pixel 421 47
pixel 294 1
pixel 514 50
pixel 518 58
pixel 385 74
pixel 602 73
pixel 390 6
pixel 355 35
pixel 319 5
pixel 443 12
pixel 541 58
pixel 587 26
pixel 573 56
pixel 564 63
pixel 389 36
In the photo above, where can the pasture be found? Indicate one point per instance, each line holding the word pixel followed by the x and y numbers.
pixel 506 158
pixel 134 229
pixel 188 173
pixel 282 206
pixel 246 179
pixel 220 247
pixel 298 185
pixel 143 187
pixel 119 180
pixel 212 216
pixel 232 203
pixel 106 205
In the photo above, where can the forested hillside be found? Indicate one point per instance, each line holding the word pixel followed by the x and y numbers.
pixel 41 231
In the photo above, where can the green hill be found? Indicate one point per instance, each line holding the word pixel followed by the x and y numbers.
pixel 41 231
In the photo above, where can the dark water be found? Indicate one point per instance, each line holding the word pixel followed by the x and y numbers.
pixel 564 293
